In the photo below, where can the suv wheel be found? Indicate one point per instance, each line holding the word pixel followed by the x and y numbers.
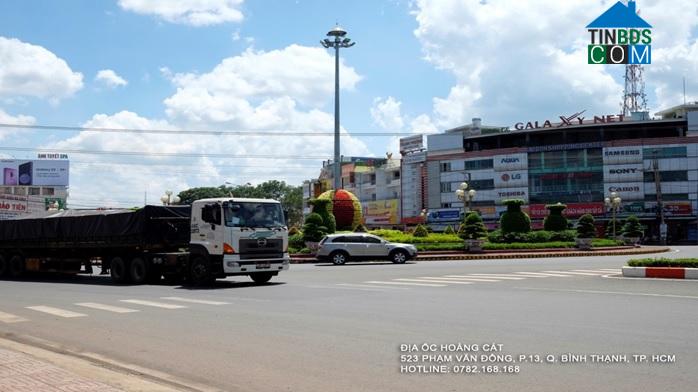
pixel 339 257
pixel 398 256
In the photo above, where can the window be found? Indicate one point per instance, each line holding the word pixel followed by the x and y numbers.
pixel 668 176
pixel 666 196
pixel 445 166
pixel 396 174
pixel 445 205
pixel 594 157
pixel 534 160
pixel 481 185
pixel 370 239
pixel 479 164
pixel 18 190
pixel 664 152
pixel 445 187
pixel 34 191
pixel 47 191
pixel 340 240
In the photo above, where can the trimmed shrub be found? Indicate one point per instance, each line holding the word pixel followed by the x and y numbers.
pixel 321 207
pixel 313 229
pixel 473 228
pixel 293 230
pixel 585 227
pixel 632 227
pixel 565 235
pixel 360 228
pixel 555 221
pixel 449 230
pixel 296 241
pixel 495 236
pixel 664 262
pixel 420 231
pixel 609 228
pixel 514 220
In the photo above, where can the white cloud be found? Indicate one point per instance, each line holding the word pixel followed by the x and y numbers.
pixel 386 113
pixel 189 12
pixel 516 60
pixel 6 118
pixel 33 71
pixel 110 78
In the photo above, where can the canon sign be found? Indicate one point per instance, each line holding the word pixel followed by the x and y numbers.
pixel 624 189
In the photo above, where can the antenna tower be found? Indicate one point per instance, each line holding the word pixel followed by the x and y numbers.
pixel 634 98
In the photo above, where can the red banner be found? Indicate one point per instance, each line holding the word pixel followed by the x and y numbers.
pixel 573 210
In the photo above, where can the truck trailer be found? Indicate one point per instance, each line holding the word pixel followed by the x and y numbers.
pixel 212 238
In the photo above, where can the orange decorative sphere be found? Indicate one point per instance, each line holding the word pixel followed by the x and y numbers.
pixel 345 207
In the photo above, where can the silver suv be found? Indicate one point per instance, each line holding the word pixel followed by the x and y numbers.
pixel 340 248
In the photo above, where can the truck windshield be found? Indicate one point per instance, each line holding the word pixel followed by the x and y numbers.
pixel 253 215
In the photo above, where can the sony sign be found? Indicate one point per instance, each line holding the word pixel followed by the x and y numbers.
pixel 623 173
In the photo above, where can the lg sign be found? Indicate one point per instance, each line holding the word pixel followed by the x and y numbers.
pixel 506 177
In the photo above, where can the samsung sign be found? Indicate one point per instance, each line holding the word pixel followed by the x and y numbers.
pixel 619 155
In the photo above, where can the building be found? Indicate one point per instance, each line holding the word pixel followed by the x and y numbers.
pixel 31 186
pixel 579 161
pixel 374 181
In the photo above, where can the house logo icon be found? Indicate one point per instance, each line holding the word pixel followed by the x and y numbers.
pixel 620 36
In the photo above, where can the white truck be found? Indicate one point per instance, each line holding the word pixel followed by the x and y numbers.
pixel 212 238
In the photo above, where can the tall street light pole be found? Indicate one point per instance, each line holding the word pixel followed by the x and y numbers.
pixel 339 42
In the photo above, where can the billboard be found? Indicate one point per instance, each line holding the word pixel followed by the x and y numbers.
pixel 510 162
pixel 573 210
pixel 622 155
pixel 34 172
pixel 382 212
pixel 411 143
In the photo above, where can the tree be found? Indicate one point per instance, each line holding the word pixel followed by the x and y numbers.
pixel 313 230
pixel 633 228
pixel 585 227
pixel 514 220
pixel 473 228
pixel 449 230
pixel 420 231
pixel 193 194
pixel 320 207
pixel 555 221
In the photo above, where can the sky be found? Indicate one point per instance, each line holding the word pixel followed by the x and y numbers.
pixel 246 66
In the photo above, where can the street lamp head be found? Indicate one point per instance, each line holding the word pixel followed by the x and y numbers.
pixel 616 201
pixel 460 193
pixel 613 195
pixel 337 32
pixel 463 185
pixel 164 199
pixel 176 200
pixel 607 201
pixel 472 193
pixel 326 43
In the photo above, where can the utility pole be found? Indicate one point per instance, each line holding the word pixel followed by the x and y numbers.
pixel 339 42
pixel 660 205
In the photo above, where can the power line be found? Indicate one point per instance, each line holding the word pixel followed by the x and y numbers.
pixel 201 132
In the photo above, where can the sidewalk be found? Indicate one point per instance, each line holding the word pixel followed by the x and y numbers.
pixel 21 372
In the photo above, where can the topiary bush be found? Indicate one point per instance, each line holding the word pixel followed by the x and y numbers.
pixel 514 220
pixel 293 230
pixel 633 228
pixel 473 228
pixel 420 231
pixel 585 227
pixel 297 241
pixel 321 207
pixel 360 228
pixel 609 228
pixel 555 221
pixel 449 230
pixel 313 229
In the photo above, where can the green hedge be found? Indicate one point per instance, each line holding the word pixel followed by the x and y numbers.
pixel 532 237
pixel 664 262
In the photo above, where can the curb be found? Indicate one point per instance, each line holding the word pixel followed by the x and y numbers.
pixel 522 255
pixel 660 272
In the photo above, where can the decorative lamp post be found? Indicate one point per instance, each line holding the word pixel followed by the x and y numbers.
pixel 167 199
pixel 466 196
pixel 613 203
pixel 339 42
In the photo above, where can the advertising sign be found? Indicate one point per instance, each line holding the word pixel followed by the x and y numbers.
pixel 573 210
pixel 412 143
pixel 510 162
pixel 626 190
pixel 672 208
pixel 511 179
pixel 511 193
pixel 622 155
pixel 444 215
pixel 486 211
pixel 383 212
pixel 623 173
pixel 34 173
pixel 416 157
pixel 14 206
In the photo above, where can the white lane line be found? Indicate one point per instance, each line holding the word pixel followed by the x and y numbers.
pixel 574 273
pixel 498 276
pixel 196 301
pixel 540 274
pixel 598 271
pixel 611 292
pixel 152 303
pixel 473 278
pixel 11 318
pixel 432 280
pixel 108 308
pixel 371 287
pixel 406 283
pixel 382 289
pixel 56 311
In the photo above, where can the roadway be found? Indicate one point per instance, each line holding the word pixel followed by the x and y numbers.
pixel 328 328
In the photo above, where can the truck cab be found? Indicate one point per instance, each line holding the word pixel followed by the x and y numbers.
pixel 237 236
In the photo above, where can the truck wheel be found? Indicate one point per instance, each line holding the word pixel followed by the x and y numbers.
pixel 4 266
pixel 200 271
pixel 339 257
pixel 398 256
pixel 261 277
pixel 138 270
pixel 17 266
pixel 117 268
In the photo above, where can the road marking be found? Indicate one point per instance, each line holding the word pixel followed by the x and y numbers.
pixel 56 311
pixel 406 283
pixel 195 301
pixel 11 318
pixel 611 292
pixel 381 289
pixel 540 274
pixel 108 308
pixel 500 276
pixel 600 271
pixel 373 287
pixel 574 273
pixel 152 303
pixel 432 280
pixel 473 278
